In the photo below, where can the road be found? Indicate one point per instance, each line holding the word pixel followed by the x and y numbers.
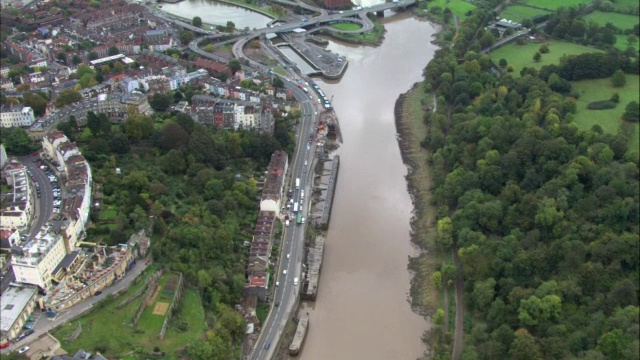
pixel 286 293
pixel 44 324
pixel 42 211
pixel 319 21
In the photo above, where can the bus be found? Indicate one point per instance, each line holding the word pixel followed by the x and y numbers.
pixel 297 183
pixel 295 207
pixel 299 219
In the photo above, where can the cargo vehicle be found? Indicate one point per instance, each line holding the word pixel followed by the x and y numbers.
pixel 297 183
pixel 300 220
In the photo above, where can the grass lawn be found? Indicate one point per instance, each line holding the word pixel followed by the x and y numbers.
pixel 346 26
pixel 554 4
pixel 609 120
pixel 108 329
pixel 622 21
pixel 457 7
pixel 519 13
pixel 280 71
pixel 522 55
pixel 108 214
pixel 622 44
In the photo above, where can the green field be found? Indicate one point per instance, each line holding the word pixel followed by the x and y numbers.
pixel 621 21
pixel 625 5
pixel 623 44
pixel 347 26
pixel 457 7
pixel 609 120
pixel 522 55
pixel 519 13
pixel 554 4
pixel 108 329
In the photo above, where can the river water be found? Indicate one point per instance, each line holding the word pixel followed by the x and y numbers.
pixel 362 309
pixel 212 12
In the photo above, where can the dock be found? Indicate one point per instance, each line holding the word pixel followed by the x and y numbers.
pixel 298 338
pixel 314 265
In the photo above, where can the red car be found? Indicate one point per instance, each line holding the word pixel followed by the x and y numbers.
pixel 5 345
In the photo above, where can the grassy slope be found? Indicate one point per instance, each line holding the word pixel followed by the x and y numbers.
pixel 346 26
pixel 519 12
pixel 609 120
pixel 119 337
pixel 522 55
pixel 458 7
pixel 625 4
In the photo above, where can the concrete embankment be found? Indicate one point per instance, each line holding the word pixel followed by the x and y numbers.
pixel 314 265
pixel 326 209
pixel 298 338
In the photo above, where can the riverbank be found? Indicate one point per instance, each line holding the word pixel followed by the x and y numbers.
pixel 410 110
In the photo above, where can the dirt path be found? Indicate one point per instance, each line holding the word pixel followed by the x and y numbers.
pixel 459 324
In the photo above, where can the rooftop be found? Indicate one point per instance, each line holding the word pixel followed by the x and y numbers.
pixel 12 302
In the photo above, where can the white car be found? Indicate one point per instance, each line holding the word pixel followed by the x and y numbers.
pixel 284 272
pixel 23 350
pixel 288 255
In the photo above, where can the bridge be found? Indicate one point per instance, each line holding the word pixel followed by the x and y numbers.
pixel 321 21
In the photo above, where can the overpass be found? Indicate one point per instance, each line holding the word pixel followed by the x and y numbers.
pixel 321 21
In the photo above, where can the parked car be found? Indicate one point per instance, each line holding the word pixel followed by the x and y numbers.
pixel 5 345
pixel 97 293
pixel 23 350
pixel 31 319
pixel 28 327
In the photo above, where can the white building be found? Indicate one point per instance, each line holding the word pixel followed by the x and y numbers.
pixel 38 258
pixel 16 116
pixel 17 303
pixel 18 207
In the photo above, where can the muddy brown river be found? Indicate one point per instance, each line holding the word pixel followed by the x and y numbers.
pixel 362 309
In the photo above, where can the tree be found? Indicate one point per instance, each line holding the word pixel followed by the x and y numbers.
pixel 632 39
pixel 632 112
pixel 613 344
pixel 118 67
pixel 92 55
pixel 67 96
pixel 544 49
pixel 231 27
pixel 524 347
pixel 186 36
pixel 105 69
pixel 160 102
pixel 113 51
pixel 76 60
pixel 234 65
pixel 618 79
pixel 36 102
pixel 17 141
pixel 93 123
pixel 503 63
pixel 537 56
pixel 277 82
pixel 197 21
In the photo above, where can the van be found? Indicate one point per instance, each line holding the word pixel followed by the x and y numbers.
pixel 284 272
pixel 295 281
pixel 286 223
pixel 302 221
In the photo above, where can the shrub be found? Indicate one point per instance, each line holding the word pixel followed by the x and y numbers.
pixel 632 112
pixel 601 105
pixel 615 98
pixel 618 79
pixel 544 49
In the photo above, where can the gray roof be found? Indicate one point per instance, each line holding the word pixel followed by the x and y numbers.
pixel 12 303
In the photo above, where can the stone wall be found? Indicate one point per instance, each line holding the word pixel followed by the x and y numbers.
pixel 176 299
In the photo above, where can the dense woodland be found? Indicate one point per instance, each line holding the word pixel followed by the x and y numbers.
pixel 542 218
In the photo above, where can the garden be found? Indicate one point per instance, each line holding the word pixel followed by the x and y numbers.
pixel 116 337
